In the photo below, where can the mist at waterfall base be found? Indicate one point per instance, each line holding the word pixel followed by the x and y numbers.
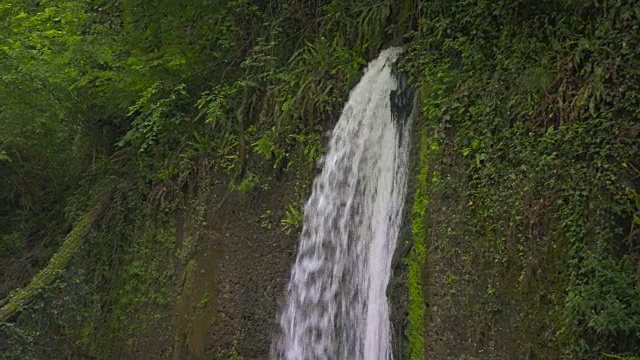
pixel 336 305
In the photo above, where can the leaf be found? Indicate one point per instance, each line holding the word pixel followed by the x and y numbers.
pixel 4 157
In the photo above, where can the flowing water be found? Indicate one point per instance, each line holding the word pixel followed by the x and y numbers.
pixel 336 305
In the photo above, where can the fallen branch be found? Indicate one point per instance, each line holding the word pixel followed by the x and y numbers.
pixel 19 298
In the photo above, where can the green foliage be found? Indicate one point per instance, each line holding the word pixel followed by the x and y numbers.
pixel 610 356
pixel 535 112
pixel 292 220
pixel 248 184
pixel 15 343
pixel 164 102
pixel 230 354
pixel 528 179
pixel 157 120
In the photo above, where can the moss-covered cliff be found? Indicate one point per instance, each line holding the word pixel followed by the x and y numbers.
pixel 528 196
pixel 205 120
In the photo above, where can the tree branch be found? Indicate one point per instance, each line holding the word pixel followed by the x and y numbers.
pixel 21 297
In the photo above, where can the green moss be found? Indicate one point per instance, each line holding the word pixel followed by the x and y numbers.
pixel 417 257
pixel 195 304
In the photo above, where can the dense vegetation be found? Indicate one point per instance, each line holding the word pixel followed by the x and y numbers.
pixel 533 174
pixel 124 125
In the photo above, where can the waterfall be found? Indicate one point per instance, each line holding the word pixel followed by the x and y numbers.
pixel 336 306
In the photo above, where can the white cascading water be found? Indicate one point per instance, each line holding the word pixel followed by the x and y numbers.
pixel 336 305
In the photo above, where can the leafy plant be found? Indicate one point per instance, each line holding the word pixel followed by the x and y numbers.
pixel 292 220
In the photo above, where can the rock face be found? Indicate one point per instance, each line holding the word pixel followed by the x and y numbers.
pixel 235 283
